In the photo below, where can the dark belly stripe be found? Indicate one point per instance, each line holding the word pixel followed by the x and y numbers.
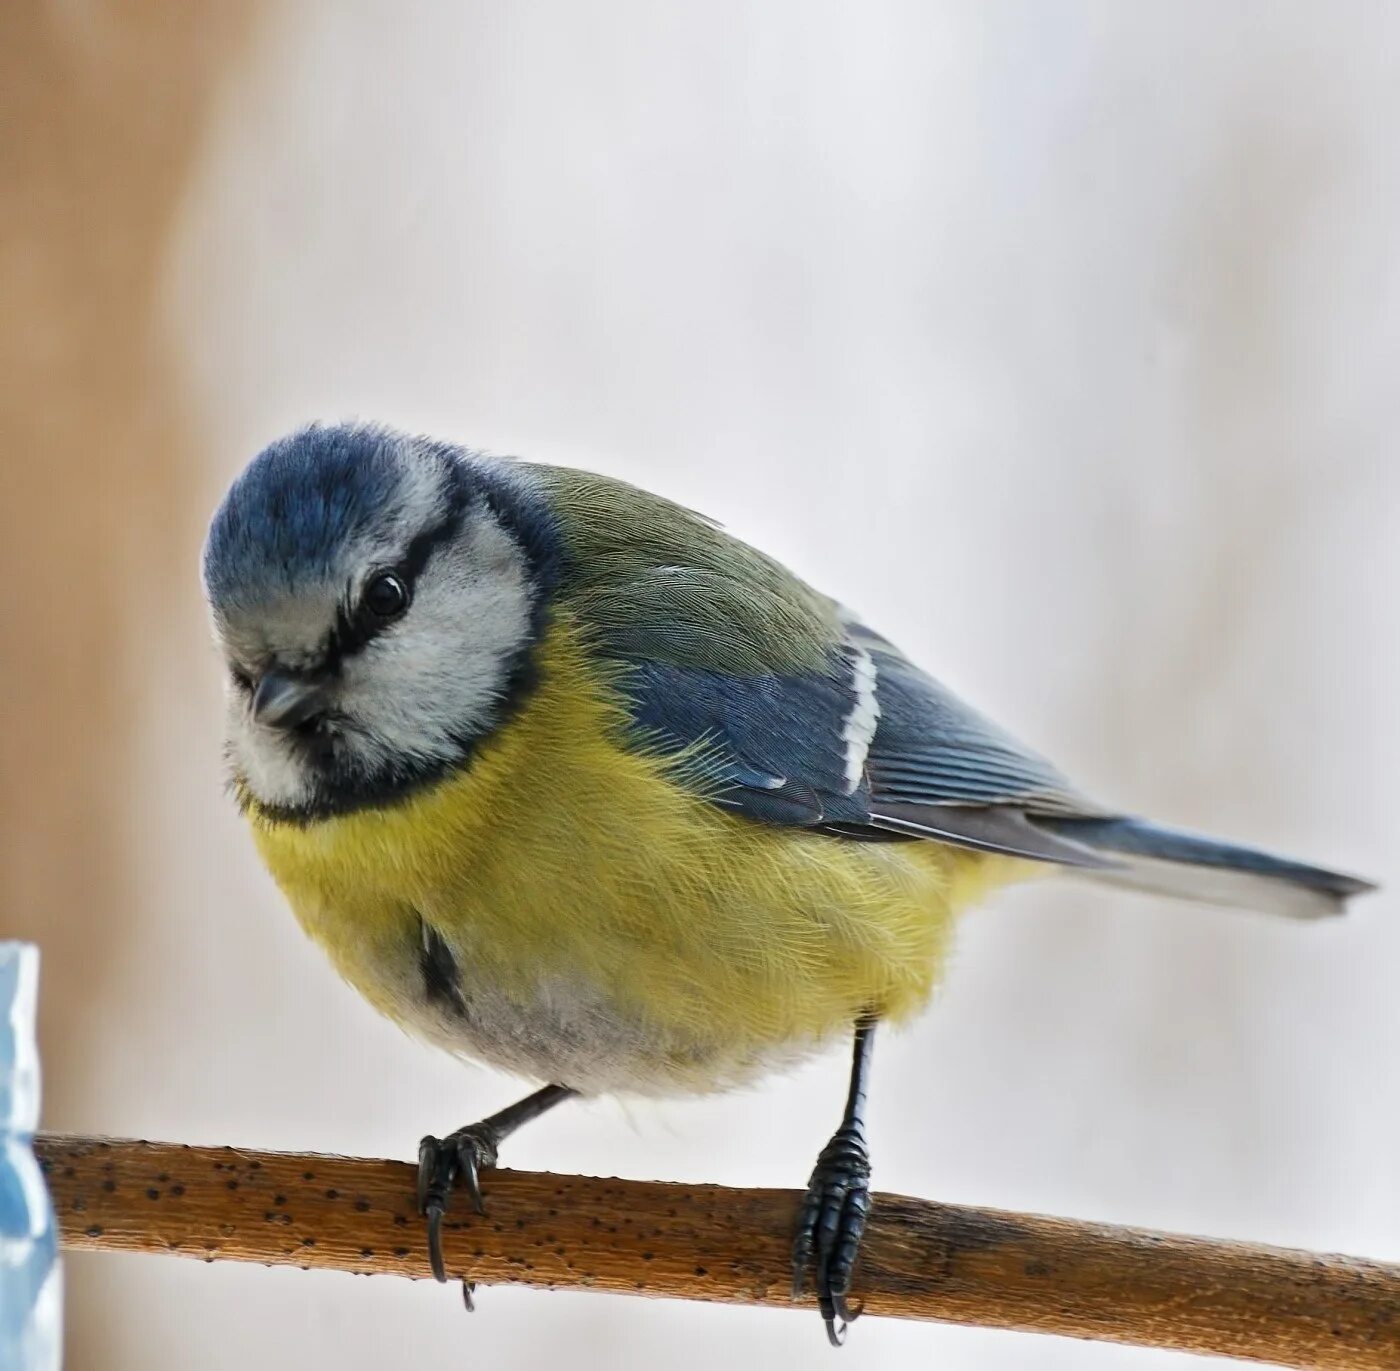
pixel 442 981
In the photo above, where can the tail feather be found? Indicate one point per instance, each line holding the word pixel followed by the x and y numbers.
pixel 1170 861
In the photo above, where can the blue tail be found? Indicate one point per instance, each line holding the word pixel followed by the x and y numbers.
pixel 1170 861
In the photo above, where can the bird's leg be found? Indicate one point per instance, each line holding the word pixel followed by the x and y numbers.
pixel 462 1156
pixel 837 1204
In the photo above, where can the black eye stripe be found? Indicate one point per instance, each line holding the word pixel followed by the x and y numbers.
pixel 415 558
pixel 354 626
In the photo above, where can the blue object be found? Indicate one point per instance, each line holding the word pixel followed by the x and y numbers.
pixel 31 1298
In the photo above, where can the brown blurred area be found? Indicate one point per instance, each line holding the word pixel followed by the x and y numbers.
pixel 103 108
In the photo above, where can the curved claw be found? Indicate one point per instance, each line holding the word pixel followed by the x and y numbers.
pixel 467 1301
pixel 836 1336
pixel 435 1213
pixel 435 1169
pixel 472 1178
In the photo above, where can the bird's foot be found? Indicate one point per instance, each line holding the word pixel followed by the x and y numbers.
pixel 443 1163
pixel 829 1227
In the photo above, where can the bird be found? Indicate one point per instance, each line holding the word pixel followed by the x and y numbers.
pixel 567 780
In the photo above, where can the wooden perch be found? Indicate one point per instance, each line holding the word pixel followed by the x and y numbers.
pixel 704 1242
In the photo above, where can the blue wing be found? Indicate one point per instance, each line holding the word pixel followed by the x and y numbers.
pixel 866 746
pixel 768 745
pixel 773 703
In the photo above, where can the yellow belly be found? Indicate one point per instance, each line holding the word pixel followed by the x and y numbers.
pixel 612 930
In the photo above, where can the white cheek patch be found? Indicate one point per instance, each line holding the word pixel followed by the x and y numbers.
pixel 859 729
pixel 438 676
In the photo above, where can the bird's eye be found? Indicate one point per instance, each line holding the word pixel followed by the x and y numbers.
pixel 386 596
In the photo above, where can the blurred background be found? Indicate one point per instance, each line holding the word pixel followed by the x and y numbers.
pixel 1058 339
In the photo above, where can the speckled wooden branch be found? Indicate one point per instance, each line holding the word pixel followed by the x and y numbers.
pixel 702 1242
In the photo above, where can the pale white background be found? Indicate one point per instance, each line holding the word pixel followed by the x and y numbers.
pixel 1061 340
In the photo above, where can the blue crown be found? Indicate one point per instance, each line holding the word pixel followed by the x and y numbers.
pixel 287 519
pixel 295 507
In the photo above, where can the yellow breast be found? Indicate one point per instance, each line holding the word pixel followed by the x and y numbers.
pixel 612 930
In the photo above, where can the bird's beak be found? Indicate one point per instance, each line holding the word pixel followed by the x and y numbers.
pixel 286 701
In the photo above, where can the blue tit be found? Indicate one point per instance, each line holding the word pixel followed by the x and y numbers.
pixel 567 780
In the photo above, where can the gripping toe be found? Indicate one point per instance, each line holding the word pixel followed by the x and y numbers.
pixel 443 1163
pixel 830 1224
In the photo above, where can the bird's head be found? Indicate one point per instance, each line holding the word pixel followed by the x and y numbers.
pixel 375 597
